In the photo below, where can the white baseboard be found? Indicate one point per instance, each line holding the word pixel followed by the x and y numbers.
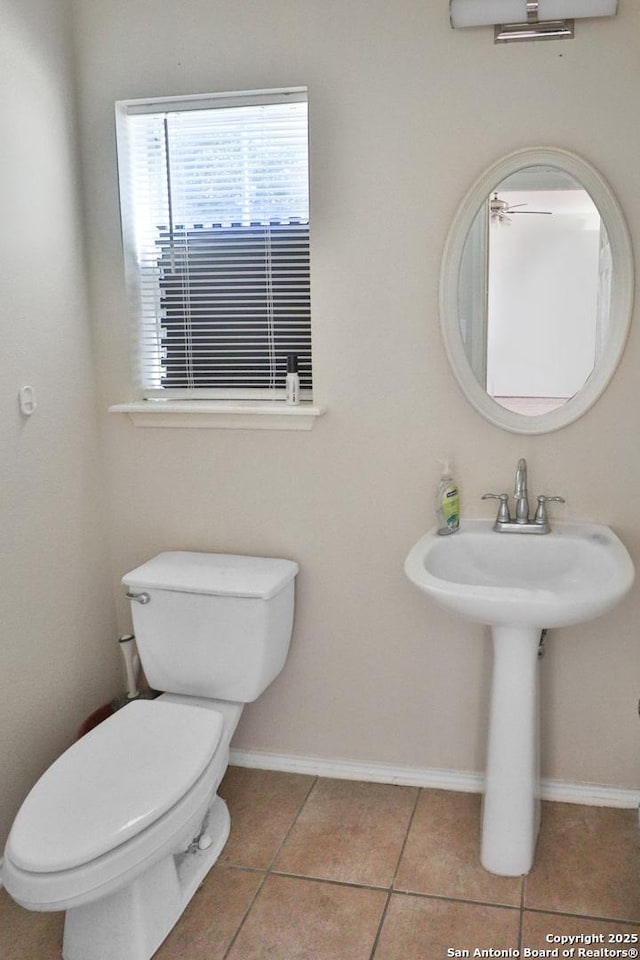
pixel 589 794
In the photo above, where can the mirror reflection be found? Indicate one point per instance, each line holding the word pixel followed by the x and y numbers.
pixel 534 290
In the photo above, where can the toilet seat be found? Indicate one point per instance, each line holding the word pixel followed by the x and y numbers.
pixel 161 756
pixel 112 784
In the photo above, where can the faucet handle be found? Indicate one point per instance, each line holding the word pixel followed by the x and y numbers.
pixel 503 510
pixel 541 512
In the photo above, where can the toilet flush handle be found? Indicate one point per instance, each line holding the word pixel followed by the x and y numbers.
pixel 138 597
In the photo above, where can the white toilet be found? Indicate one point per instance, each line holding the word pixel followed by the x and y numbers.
pixel 123 827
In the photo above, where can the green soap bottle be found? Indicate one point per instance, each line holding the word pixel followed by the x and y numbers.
pixel 447 502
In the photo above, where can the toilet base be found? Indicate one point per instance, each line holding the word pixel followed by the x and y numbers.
pixel 131 923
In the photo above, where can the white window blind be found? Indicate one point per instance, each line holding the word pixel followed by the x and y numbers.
pixel 215 215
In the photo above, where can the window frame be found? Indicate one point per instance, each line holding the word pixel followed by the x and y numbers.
pixel 166 396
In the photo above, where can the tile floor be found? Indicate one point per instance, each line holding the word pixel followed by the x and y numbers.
pixel 319 869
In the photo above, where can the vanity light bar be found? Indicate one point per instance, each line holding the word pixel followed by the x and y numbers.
pixel 543 30
pixel 527 19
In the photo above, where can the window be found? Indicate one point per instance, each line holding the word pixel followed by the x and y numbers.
pixel 215 215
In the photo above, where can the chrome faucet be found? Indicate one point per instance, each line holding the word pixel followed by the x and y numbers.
pixel 520 493
pixel 522 523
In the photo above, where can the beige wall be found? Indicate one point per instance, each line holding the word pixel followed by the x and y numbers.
pixel 405 114
pixel 57 656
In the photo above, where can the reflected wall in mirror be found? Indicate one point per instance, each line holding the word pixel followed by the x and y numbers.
pixel 545 269
pixel 536 290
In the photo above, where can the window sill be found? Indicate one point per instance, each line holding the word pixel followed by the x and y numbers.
pixel 229 415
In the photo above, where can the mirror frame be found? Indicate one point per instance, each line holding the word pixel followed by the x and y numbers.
pixel 622 289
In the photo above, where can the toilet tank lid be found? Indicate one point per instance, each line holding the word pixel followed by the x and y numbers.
pixel 220 574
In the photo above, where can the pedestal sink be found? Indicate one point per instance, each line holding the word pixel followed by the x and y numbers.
pixel 518 584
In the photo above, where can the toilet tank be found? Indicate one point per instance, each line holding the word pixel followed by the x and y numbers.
pixel 214 625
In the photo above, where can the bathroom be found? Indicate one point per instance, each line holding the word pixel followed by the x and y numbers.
pixel 405 114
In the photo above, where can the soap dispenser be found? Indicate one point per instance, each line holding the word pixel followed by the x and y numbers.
pixel 447 502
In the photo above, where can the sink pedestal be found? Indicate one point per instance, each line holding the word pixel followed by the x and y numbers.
pixel 518 584
pixel 511 804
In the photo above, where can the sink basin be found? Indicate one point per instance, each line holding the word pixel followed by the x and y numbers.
pixel 575 573
pixel 518 584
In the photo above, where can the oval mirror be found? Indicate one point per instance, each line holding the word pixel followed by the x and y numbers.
pixel 536 290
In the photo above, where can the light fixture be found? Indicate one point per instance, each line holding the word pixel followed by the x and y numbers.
pixel 528 19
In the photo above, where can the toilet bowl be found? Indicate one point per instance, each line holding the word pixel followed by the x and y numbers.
pixel 107 833
pixel 124 826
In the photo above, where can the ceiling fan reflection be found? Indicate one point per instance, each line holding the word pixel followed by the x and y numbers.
pixel 501 211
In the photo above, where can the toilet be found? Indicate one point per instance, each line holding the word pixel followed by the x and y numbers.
pixel 121 830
